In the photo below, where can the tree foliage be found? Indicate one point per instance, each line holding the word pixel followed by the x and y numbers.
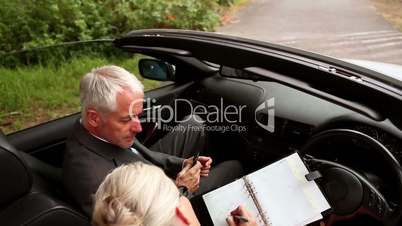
pixel 26 24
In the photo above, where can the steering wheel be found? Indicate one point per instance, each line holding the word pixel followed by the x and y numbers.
pixel 349 193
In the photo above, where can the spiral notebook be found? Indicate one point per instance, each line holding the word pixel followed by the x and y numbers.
pixel 277 195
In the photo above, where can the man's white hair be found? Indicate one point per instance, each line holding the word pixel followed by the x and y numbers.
pixel 99 88
pixel 136 195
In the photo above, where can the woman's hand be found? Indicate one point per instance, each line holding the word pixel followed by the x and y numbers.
pixel 241 217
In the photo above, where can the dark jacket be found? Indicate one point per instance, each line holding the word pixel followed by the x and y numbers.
pixel 88 160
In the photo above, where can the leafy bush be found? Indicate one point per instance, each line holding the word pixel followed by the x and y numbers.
pixel 31 23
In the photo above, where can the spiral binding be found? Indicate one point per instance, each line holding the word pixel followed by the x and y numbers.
pixel 251 191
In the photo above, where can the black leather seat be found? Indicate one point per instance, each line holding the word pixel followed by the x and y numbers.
pixel 26 196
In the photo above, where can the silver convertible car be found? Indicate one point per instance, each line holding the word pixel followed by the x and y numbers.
pixel 261 102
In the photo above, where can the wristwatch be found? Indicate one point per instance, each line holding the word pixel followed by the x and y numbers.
pixel 183 190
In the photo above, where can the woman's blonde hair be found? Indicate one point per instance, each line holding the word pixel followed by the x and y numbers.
pixel 136 195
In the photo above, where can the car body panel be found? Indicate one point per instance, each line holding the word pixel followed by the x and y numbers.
pixel 316 73
pixel 390 70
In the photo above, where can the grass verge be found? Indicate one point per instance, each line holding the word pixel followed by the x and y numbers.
pixel 33 95
pixel 391 10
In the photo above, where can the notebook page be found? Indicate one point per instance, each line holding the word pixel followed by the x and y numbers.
pixel 222 201
pixel 286 196
pixel 311 189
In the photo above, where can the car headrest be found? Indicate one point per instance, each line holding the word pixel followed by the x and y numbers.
pixel 14 173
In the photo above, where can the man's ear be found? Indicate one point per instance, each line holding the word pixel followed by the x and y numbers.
pixel 93 117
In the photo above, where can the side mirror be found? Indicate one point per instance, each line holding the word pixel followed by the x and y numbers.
pixel 156 69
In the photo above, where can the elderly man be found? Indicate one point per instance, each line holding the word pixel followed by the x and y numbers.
pixel 104 138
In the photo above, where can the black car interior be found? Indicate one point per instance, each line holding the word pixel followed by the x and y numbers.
pixel 28 197
pixel 361 140
pixel 43 145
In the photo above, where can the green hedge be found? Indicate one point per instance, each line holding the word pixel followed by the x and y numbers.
pixel 26 24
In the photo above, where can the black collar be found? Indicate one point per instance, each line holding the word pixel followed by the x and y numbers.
pixel 94 144
pixel 107 150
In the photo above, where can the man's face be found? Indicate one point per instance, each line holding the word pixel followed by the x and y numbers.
pixel 121 126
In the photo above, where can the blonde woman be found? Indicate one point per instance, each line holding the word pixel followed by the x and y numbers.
pixel 142 195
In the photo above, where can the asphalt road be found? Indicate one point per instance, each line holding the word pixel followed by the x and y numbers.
pixel 339 28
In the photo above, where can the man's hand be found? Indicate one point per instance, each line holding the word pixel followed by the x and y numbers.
pixel 189 176
pixel 205 162
pixel 206 165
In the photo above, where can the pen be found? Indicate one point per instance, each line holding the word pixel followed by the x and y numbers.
pixel 195 159
pixel 240 219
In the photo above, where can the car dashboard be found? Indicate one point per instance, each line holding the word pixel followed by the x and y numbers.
pixel 298 116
